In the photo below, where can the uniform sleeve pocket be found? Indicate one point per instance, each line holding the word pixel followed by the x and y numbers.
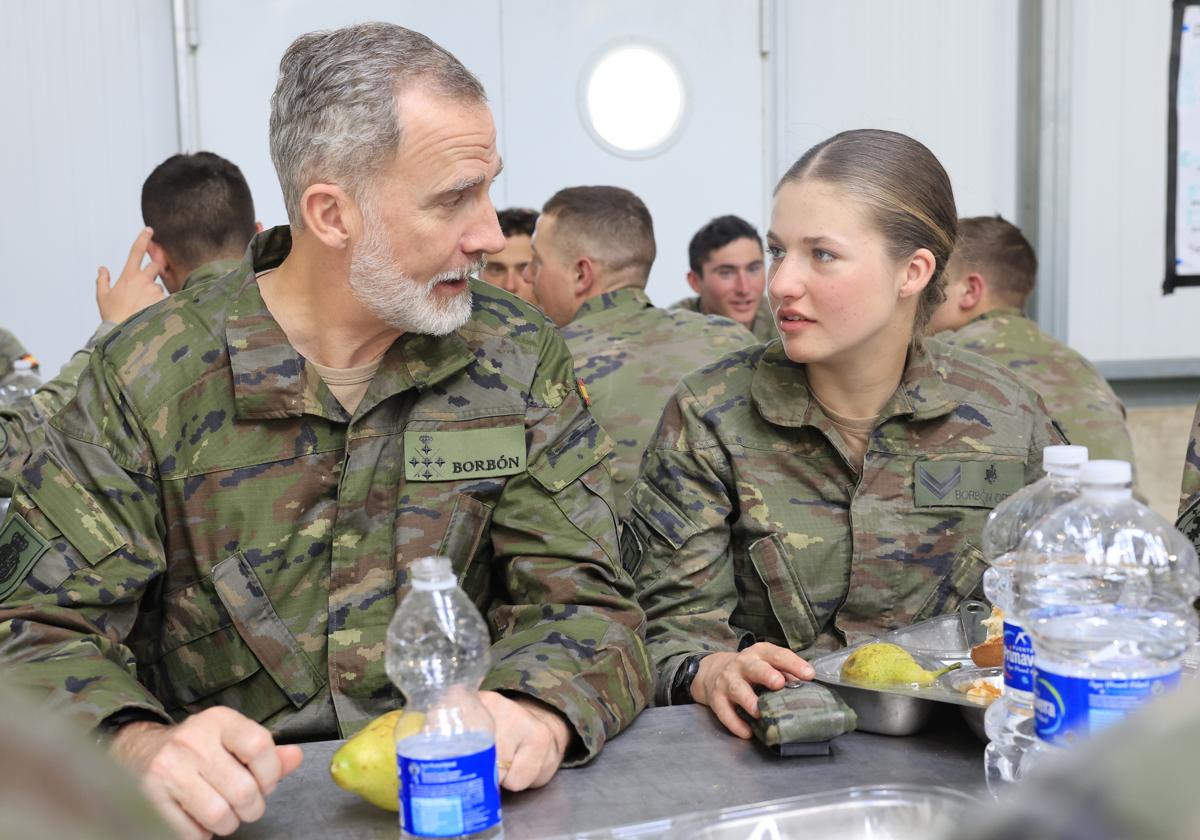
pixel 70 508
pixel 960 584
pixel 660 515
pixel 785 592
pixel 582 447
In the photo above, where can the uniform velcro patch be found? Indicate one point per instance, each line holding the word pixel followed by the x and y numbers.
pixel 20 548
pixel 457 454
pixel 966 483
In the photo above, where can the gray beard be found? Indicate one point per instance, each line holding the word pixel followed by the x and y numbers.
pixel 400 301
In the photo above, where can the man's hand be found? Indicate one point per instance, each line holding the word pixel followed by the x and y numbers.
pixel 531 740
pixel 135 289
pixel 725 681
pixel 210 773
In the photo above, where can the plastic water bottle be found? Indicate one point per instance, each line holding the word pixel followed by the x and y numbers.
pixel 1009 720
pixel 438 654
pixel 1105 586
pixel 21 383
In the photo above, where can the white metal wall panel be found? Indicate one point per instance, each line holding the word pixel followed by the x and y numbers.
pixel 942 71
pixel 237 63
pixel 1117 208
pixel 89 102
pixel 714 168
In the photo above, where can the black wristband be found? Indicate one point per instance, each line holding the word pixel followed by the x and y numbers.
pixel 681 686
pixel 108 727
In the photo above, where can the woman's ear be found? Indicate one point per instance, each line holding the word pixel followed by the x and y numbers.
pixel 917 273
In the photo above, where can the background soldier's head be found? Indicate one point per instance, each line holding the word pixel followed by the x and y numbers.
pixel 726 260
pixel 993 267
pixel 589 240
pixel 385 149
pixel 507 268
pixel 201 210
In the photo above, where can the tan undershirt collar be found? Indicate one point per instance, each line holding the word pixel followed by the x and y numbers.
pixel 348 385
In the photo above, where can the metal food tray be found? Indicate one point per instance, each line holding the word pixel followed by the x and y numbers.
pixel 905 709
pixel 894 812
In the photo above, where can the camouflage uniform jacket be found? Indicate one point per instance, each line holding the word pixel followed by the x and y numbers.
pixel 20 428
pixel 1191 466
pixel 219 527
pixel 1079 398
pixel 763 326
pixel 11 349
pixel 750 524
pixel 630 356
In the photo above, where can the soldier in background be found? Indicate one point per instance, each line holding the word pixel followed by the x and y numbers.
pixel 201 213
pixel 726 260
pixel 831 486
pixel 204 558
pixel 593 249
pixel 988 283
pixel 506 270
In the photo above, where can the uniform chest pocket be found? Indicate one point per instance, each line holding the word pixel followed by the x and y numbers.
pixel 224 644
pixel 784 593
pixel 467 545
pixel 958 585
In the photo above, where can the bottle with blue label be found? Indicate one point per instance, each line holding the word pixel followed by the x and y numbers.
pixel 1009 720
pixel 438 652
pixel 1105 587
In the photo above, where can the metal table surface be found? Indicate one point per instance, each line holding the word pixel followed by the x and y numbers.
pixel 671 761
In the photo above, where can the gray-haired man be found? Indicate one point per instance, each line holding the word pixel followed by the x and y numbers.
pixel 233 517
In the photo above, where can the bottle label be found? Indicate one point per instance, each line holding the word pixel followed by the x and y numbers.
pixel 1069 708
pixel 448 797
pixel 1018 658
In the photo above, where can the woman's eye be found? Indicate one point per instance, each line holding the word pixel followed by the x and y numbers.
pixel 821 255
pixel 775 253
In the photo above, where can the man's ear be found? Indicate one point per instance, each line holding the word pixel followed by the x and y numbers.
pixel 158 255
pixel 974 289
pixel 585 278
pixel 258 227
pixel 330 215
pixel 694 281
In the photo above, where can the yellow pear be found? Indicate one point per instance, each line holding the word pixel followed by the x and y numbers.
pixel 366 764
pixel 881 663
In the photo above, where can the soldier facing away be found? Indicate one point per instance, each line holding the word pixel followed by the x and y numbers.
pixel 807 493
pixel 217 533
pixel 989 280
pixel 593 249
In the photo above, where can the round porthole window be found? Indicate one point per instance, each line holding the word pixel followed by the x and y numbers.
pixel 633 100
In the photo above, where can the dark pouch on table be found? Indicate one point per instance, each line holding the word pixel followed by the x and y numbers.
pixel 801 718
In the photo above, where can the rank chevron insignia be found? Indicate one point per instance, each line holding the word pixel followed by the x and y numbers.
pixel 940 488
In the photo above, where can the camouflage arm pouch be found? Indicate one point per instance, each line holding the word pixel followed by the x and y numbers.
pixel 801 718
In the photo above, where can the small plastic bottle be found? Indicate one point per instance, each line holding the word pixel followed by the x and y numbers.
pixel 438 652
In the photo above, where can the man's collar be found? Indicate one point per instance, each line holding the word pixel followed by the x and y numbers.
pixel 269 376
pixel 210 271
pixel 998 312
pixel 780 389
pixel 618 302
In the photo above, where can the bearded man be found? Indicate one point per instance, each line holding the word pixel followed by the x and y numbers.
pixel 207 553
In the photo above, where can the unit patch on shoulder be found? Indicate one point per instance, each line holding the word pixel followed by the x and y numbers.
pixel 1189 522
pixel 20 548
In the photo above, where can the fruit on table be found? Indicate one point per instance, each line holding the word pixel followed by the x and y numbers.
pixel 366 764
pixel 881 663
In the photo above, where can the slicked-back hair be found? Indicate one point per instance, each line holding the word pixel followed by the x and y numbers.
pixel 612 225
pixel 200 208
pixel 716 235
pixel 905 190
pixel 517 221
pixel 996 248
pixel 334 113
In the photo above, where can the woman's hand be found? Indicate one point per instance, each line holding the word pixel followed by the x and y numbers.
pixel 725 681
